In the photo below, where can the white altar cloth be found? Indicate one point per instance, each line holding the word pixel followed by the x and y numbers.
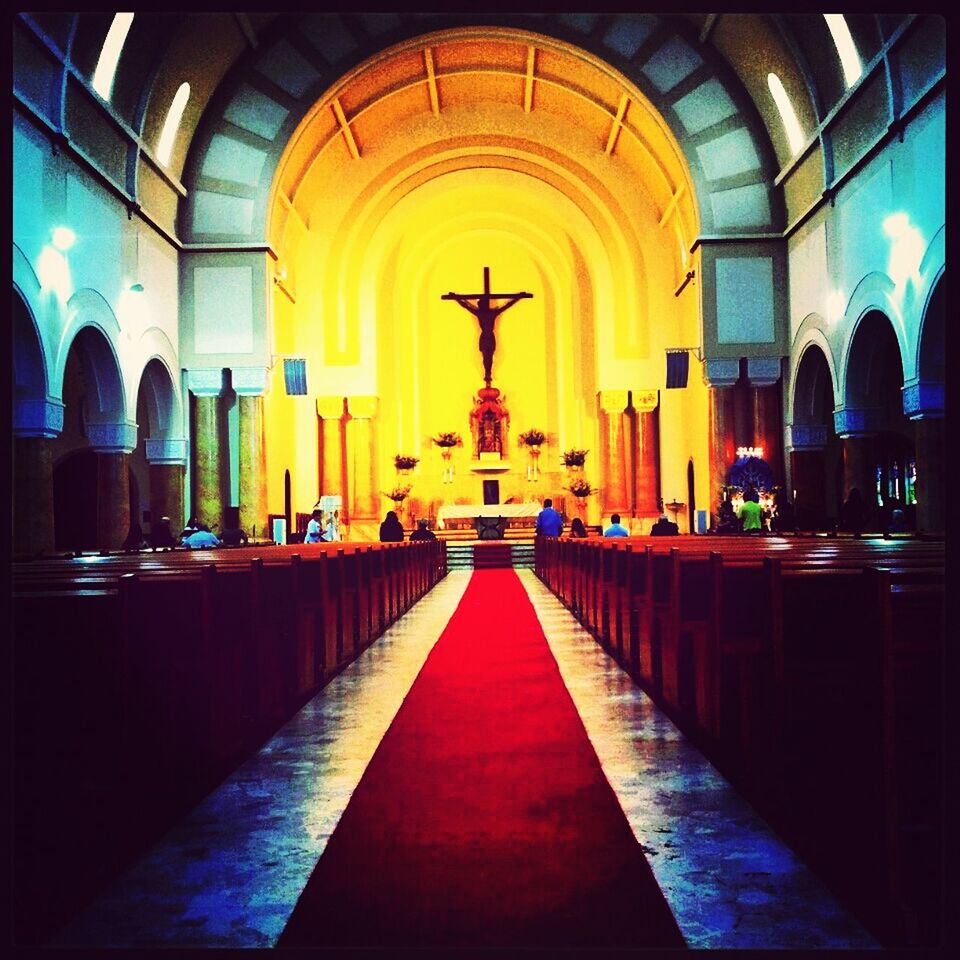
pixel 465 511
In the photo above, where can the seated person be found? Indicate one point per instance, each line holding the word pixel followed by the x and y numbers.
pixel 616 529
pixel 391 530
pixel 898 523
pixel 134 539
pixel 664 527
pixel 423 532
pixel 233 537
pixel 201 538
pixel 727 521
pixel 192 526
pixel 314 532
pixel 577 529
pixel 160 535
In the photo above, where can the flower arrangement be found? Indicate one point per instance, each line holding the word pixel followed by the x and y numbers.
pixel 532 438
pixel 580 488
pixel 574 458
pixel 403 462
pixel 449 439
pixel 398 494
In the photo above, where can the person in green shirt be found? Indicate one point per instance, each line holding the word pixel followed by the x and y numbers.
pixel 750 513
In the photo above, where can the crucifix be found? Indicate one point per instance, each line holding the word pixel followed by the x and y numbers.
pixel 484 310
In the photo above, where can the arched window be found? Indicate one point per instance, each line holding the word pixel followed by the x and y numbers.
pixel 110 54
pixel 170 126
pixel 846 48
pixel 790 122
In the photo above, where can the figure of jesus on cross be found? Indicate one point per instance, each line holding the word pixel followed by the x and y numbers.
pixel 481 306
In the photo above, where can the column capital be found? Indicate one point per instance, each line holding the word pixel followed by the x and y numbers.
pixel 923 399
pixel 721 373
pixel 857 421
pixel 330 408
pixel 249 381
pixel 205 382
pixel 37 418
pixel 362 408
pixel 763 371
pixel 112 437
pixel 168 452
pixel 645 401
pixel 613 401
pixel 806 436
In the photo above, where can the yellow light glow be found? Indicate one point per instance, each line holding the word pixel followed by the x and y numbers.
pixel 63 238
pixel 906 248
pixel 106 69
pixel 53 271
pixel 133 307
pixel 836 305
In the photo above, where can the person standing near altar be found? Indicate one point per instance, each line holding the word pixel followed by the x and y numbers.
pixel 549 522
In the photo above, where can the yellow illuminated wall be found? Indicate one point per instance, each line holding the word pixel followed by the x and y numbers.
pixel 374 221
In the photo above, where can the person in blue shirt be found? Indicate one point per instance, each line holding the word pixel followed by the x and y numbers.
pixel 549 522
pixel 201 538
pixel 616 529
pixel 314 532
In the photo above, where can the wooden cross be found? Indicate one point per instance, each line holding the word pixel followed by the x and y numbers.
pixel 481 306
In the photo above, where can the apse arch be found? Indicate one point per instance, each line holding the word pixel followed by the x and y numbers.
pixel 679 84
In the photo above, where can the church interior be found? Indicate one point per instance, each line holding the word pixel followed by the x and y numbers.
pixel 269 267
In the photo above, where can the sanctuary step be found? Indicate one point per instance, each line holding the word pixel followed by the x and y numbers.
pixel 475 554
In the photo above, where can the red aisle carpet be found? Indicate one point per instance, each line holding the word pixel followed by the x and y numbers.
pixel 484 818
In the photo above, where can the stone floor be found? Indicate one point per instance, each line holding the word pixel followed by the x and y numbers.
pixel 230 873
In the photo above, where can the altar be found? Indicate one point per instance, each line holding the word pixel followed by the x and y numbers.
pixel 468 511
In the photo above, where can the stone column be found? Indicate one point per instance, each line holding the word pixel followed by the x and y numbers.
pixel 167 459
pixel 764 375
pixel 930 447
pixel 361 450
pixel 808 471
pixel 208 453
pixel 332 473
pixel 646 453
pixel 923 402
pixel 32 496
pixel 857 428
pixel 35 424
pixel 613 451
pixel 721 376
pixel 113 443
pixel 250 385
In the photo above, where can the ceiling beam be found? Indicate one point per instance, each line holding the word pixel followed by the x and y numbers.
pixel 528 83
pixel 672 205
pixel 345 130
pixel 432 81
pixel 246 28
pixel 708 26
pixel 617 123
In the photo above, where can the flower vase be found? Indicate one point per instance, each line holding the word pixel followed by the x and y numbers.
pixel 447 455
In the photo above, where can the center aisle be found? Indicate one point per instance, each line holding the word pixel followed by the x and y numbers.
pixel 484 818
